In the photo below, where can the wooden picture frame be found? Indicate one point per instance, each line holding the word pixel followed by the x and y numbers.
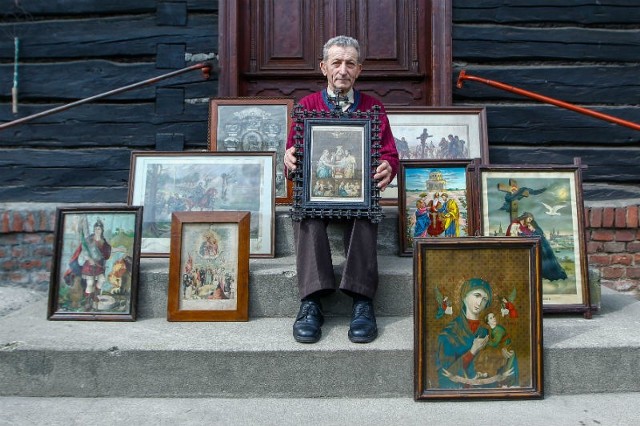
pixel 209 266
pixel 419 132
pixel 337 153
pixel 444 189
pixel 94 274
pixel 544 201
pixel 477 318
pixel 248 124
pixel 167 182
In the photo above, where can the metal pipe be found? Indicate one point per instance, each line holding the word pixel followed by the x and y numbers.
pixel 206 72
pixel 464 76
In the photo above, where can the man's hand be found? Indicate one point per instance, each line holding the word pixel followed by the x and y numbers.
pixel 383 174
pixel 290 159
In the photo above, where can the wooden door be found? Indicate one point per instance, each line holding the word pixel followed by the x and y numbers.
pixel 274 47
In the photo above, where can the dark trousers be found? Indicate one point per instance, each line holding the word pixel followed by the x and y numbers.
pixel 313 257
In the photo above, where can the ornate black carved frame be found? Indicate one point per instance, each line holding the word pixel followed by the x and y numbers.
pixel 302 205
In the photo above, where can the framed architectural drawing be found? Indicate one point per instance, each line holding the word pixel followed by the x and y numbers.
pixel 253 124
pixel 168 182
pixel 434 200
pixel 209 266
pixel 94 274
pixel 437 133
pixel 545 202
pixel 477 318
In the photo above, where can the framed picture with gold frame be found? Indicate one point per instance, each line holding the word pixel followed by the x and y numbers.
pixel 477 318
pixel 209 266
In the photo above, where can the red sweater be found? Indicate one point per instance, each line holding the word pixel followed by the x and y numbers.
pixel 362 102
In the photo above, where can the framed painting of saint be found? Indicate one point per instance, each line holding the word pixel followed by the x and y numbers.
pixel 477 318
pixel 434 201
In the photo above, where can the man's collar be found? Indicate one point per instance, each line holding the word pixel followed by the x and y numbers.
pixel 349 95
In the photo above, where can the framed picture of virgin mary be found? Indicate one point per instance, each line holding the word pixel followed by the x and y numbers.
pixel 477 318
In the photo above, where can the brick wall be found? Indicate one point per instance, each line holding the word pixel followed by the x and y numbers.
pixel 26 245
pixel 613 246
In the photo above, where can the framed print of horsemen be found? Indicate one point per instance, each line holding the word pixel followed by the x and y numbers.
pixel 167 182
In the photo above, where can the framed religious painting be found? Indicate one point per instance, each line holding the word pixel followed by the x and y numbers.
pixel 477 318
pixel 436 133
pixel 337 156
pixel 544 202
pixel 209 266
pixel 252 124
pixel 94 273
pixel 434 199
pixel 168 182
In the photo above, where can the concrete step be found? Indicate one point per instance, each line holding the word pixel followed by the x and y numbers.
pixel 273 288
pixel 556 410
pixel 152 358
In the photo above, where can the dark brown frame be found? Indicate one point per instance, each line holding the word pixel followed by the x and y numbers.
pixel 115 277
pixel 283 187
pixel 405 244
pixel 215 221
pixel 443 267
pixel 426 117
pixel 569 179
pixel 214 161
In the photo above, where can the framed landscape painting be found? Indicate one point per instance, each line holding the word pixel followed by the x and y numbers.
pixel 544 202
pixel 436 133
pixel 434 201
pixel 477 318
pixel 253 124
pixel 209 267
pixel 94 274
pixel 168 182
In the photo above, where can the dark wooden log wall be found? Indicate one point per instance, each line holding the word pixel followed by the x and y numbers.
pixel 585 52
pixel 581 51
pixel 72 49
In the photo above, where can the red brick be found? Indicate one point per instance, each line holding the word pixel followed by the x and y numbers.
pixel 9 265
pixel 633 247
pixel 18 251
pixel 610 272
pixel 636 259
pixel 602 235
pixel 29 223
pixel 608 217
pixel 599 259
pixel 633 272
pixel 16 226
pixel 587 218
pixel 620 217
pixel 632 217
pixel 594 247
pixel 33 238
pixel 622 259
pixel 615 247
pixel 596 217
pixel 6 226
pixel 19 278
pixel 625 235
pixel 31 264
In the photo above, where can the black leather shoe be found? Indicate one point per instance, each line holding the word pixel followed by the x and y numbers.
pixel 307 329
pixel 363 328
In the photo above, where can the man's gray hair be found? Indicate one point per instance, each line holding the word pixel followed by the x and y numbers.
pixel 341 41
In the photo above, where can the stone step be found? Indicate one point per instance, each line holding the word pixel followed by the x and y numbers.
pixel 153 358
pixel 273 289
pixel 584 409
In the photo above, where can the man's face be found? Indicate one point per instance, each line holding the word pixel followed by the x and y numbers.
pixel 341 68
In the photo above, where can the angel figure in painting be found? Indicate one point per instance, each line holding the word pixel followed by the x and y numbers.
pixel 507 306
pixel 443 305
